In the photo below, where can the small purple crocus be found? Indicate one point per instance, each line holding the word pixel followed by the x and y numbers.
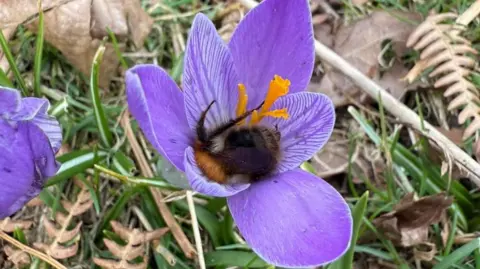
pixel 290 218
pixel 29 139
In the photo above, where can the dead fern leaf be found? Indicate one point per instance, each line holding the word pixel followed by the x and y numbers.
pixel 60 248
pixel 443 49
pixel 8 225
pixel 134 248
pixel 18 257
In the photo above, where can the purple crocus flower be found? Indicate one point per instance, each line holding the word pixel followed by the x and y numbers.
pixel 291 218
pixel 29 139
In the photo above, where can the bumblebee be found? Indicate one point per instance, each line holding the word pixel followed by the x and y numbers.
pixel 233 153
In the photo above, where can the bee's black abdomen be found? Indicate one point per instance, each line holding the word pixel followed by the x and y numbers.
pixel 252 151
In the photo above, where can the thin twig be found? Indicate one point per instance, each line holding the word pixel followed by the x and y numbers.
pixel 44 257
pixel 175 228
pixel 395 107
pixel 196 230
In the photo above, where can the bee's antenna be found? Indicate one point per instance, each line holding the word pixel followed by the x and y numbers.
pixel 233 122
pixel 201 131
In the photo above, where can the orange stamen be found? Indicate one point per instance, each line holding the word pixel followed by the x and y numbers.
pixel 242 100
pixel 255 118
pixel 278 88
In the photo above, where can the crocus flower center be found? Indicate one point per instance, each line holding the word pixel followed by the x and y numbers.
pixel 278 88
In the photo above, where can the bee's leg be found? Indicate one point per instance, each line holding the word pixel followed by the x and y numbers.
pixel 231 123
pixel 201 131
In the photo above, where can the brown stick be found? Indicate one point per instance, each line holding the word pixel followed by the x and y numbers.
pixel 146 171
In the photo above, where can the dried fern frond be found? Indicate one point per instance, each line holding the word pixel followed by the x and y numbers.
pixel 134 248
pixel 18 257
pixel 61 246
pixel 443 49
pixel 8 225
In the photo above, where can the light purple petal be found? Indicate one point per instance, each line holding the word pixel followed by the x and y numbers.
pixel 275 38
pixel 26 162
pixel 156 103
pixel 208 75
pixel 294 219
pixel 311 122
pixel 9 101
pixel 201 184
pixel 36 110
pixel 43 154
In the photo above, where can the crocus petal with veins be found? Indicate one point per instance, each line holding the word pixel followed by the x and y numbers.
pixel 201 184
pixel 293 219
pixel 275 38
pixel 157 103
pixel 9 101
pixel 14 108
pixel 208 76
pixel 311 122
pixel 26 162
pixel 36 110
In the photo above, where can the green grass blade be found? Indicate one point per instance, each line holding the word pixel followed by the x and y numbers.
pixel 4 80
pixel 20 235
pixel 74 163
pixel 459 254
pixel 123 164
pixel 37 68
pixel 13 65
pixel 357 213
pixel 117 48
pixel 101 118
pixel 234 258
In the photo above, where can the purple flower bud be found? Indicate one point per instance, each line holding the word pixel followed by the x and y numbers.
pixel 29 139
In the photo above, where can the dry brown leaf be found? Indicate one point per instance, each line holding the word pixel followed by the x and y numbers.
pixel 58 248
pixel 78 27
pixel 454 134
pixel 229 19
pixel 324 32
pixel 333 158
pixel 13 13
pixel 425 251
pixel 408 224
pixel 365 160
pixel 8 225
pixel 17 12
pixel 18 257
pixel 361 45
pixel 134 248
pixel 443 49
